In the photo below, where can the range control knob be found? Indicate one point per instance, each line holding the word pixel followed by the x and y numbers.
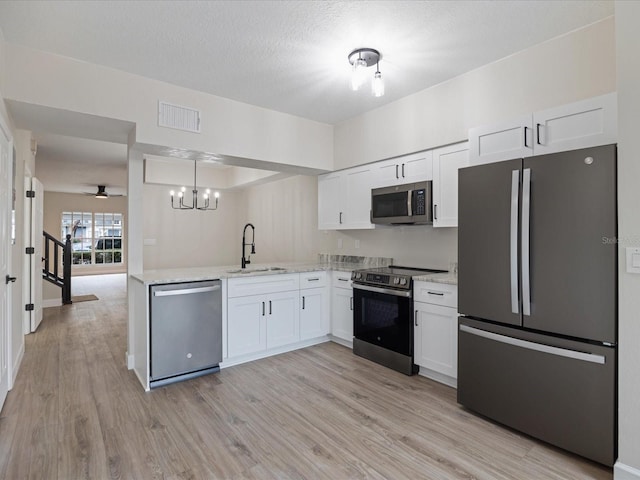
pixel 396 281
pixel 358 276
pixel 403 281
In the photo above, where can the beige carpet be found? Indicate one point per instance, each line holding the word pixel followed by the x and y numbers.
pixel 83 298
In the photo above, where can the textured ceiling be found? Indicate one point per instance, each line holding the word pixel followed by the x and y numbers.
pixel 291 56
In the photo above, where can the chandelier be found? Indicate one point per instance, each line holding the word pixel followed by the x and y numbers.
pixel 206 197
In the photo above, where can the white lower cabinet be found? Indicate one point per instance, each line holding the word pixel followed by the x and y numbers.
pixel 281 314
pixel 436 334
pixel 342 306
pixel 261 318
pixel 260 322
pixel 314 313
pixel 246 326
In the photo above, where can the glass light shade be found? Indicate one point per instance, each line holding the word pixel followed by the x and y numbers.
pixel 172 193
pixel 217 194
pixel 377 86
pixel 358 73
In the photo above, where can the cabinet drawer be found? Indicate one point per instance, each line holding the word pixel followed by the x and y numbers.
pixel 313 279
pixel 261 284
pixel 341 280
pixel 436 293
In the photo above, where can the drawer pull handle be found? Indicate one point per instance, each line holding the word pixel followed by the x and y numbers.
pixel 343 279
pixel 436 293
pixel 313 279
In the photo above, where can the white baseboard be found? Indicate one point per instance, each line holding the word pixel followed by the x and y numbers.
pixel 16 365
pixel 438 377
pixel 625 472
pixel 230 362
pixel 130 361
pixel 51 302
pixel 341 341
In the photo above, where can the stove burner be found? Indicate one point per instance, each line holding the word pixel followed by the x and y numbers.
pixel 393 276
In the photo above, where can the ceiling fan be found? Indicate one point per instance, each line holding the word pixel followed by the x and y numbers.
pixel 102 193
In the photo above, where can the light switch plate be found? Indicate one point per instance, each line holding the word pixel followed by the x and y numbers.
pixel 339 243
pixel 633 260
pixel 357 244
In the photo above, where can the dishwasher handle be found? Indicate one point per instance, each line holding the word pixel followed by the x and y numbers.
pixel 185 291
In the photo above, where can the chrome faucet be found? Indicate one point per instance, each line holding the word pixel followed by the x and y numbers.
pixel 246 261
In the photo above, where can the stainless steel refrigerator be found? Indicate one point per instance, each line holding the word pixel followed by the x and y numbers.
pixel 537 296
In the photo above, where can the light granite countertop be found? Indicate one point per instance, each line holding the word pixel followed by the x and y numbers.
pixel 448 278
pixel 325 262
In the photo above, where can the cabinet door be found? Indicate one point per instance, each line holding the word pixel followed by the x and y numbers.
pixel 283 321
pixel 246 325
pixel 357 206
pixel 342 313
pixel 446 162
pixel 386 173
pixel 587 123
pixel 436 338
pixel 330 199
pixel 502 141
pixel 314 313
pixel 416 167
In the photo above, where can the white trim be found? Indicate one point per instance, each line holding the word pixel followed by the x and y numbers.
pixel 341 341
pixel 16 366
pixel 625 472
pixel 51 302
pixel 131 362
pixel 438 377
pixel 229 362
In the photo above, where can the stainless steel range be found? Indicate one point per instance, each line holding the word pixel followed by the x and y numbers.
pixel 383 315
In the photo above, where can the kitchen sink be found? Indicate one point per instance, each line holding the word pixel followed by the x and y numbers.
pixel 246 271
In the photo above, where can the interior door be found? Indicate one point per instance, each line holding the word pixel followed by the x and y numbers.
pixel 573 249
pixel 37 227
pixel 487 229
pixel 5 245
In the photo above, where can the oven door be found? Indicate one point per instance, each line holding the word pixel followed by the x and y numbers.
pixel 383 317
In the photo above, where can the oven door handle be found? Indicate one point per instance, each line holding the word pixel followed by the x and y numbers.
pixel 397 293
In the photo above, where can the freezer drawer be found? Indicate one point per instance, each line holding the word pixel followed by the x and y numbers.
pixel 186 329
pixel 560 391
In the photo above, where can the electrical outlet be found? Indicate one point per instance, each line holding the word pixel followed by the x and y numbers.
pixel 339 243
pixel 357 243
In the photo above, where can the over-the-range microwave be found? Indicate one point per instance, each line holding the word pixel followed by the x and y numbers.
pixel 402 204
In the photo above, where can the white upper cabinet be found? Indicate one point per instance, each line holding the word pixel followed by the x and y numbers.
pixel 416 167
pixel 503 141
pixel 344 199
pixel 583 124
pixel 446 162
pixel 357 206
pixel 330 191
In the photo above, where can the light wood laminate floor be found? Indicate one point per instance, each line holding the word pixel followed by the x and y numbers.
pixel 320 413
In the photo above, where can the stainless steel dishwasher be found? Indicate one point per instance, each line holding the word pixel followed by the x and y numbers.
pixel 186 330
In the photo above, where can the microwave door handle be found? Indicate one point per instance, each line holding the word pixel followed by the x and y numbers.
pixel 409 198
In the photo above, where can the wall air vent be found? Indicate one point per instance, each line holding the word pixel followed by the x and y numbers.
pixel 180 118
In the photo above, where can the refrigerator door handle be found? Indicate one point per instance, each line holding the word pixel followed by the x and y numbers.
pixel 526 220
pixel 515 190
pixel 538 347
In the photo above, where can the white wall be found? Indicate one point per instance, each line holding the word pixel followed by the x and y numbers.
pixel 628 77
pixel 54 204
pixel 228 127
pixel 285 215
pixel 572 67
pixel 190 238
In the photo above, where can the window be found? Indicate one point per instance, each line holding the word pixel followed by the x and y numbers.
pixel 96 238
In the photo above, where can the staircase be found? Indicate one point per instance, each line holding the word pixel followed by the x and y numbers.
pixel 53 249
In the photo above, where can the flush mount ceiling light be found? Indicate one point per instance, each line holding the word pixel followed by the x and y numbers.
pixel 361 59
pixel 206 197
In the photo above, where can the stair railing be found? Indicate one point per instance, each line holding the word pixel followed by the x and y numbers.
pixel 53 249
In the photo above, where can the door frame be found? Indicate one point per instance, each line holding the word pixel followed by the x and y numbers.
pixel 6 133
